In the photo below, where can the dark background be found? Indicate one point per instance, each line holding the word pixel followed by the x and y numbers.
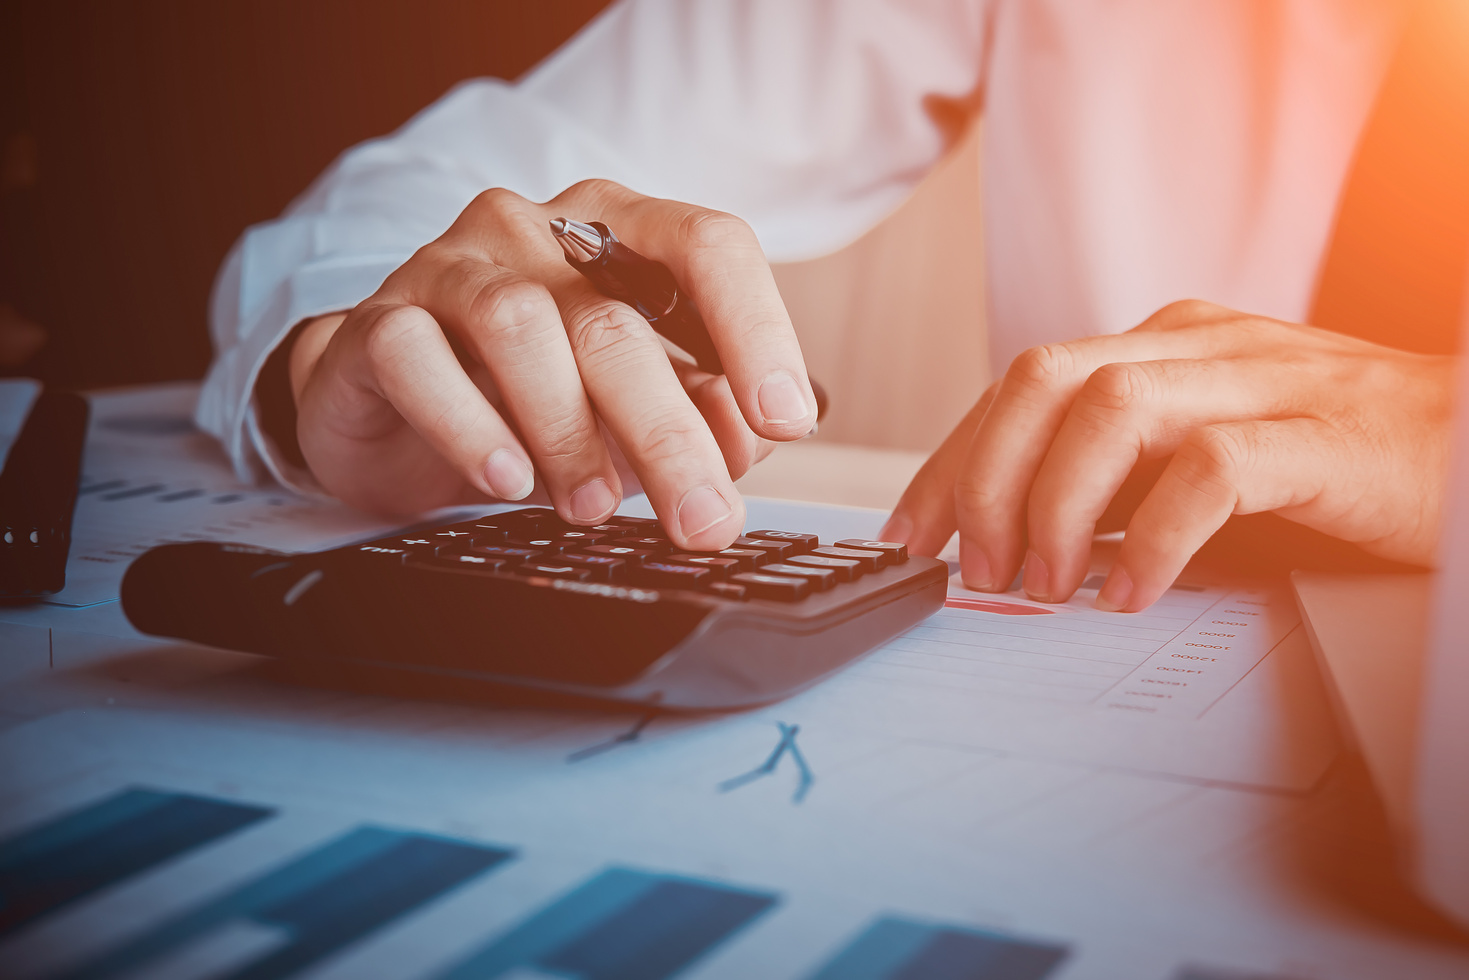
pixel 138 138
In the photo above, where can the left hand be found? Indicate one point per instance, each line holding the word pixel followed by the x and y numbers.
pixel 1341 435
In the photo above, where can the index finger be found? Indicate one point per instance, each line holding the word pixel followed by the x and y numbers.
pixel 717 259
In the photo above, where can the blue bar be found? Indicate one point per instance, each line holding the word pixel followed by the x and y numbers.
pixel 320 902
pixel 897 949
pixel 73 856
pixel 621 925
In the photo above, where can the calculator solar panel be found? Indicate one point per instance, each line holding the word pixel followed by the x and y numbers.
pixel 613 611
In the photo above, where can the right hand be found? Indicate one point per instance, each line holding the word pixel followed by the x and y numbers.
pixel 485 365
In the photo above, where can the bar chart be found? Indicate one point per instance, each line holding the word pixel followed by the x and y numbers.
pixel 899 949
pixel 60 862
pixel 302 911
pixel 623 924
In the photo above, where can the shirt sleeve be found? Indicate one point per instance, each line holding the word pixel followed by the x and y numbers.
pixel 810 120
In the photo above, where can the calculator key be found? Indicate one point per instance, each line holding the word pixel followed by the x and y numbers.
pixel 603 568
pixel 451 536
pixel 762 586
pixel 554 569
pixel 547 545
pixel 777 550
pixel 802 542
pixel 384 553
pixel 727 590
pixel 819 578
pixel 748 558
pixel 482 563
pixel 845 569
pixel 506 552
pixel 648 543
pixel 413 543
pixel 721 567
pixel 615 530
pixel 632 556
pixel 898 552
pixel 670 576
pixel 578 538
pixel 486 531
pixel 870 561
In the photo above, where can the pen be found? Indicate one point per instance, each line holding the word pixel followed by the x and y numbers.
pixel 648 287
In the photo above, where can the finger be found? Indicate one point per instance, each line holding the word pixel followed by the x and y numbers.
pixel 924 517
pixel 718 260
pixel 711 395
pixel 398 355
pixel 1219 470
pixel 638 396
pixel 1124 413
pixel 1011 442
pixel 512 326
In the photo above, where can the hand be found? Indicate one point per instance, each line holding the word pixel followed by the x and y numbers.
pixel 1338 434
pixel 485 364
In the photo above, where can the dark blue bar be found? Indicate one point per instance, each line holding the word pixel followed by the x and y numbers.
pixel 621 925
pixel 897 949
pixel 134 492
pixel 73 856
pixel 318 903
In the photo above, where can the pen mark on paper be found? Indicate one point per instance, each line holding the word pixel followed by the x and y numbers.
pixel 786 745
pixel 623 738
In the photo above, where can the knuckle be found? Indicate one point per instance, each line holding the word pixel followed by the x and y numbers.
pixel 703 230
pixel 1212 457
pixel 508 304
pixel 1185 311
pixel 1117 388
pixel 608 329
pixel 597 189
pixel 665 438
pixel 393 333
pixel 1042 368
pixel 498 201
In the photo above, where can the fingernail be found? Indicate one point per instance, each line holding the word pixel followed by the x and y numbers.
pixel 975 568
pixel 592 501
pixel 898 528
pixel 510 475
pixel 1115 592
pixel 700 509
pixel 781 400
pixel 1037 579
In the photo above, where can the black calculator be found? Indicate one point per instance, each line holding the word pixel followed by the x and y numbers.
pixel 612 611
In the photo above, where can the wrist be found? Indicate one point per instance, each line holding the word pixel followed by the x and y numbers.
pixel 284 376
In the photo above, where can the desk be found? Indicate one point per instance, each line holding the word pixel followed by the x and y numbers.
pixel 495 837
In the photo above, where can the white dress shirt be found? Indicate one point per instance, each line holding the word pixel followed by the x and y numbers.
pixel 1136 152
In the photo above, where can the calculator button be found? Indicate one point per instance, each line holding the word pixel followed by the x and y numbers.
pixel 580 538
pixel 719 566
pixel 413 543
pixel 748 557
pixel 603 568
pixel 762 586
pixel 669 575
pixel 550 569
pixel 802 542
pixel 727 590
pixel 482 563
pixel 819 578
pixel 384 553
pixel 546 545
pixel 632 556
pixel 644 542
pixel 615 530
pixel 777 550
pixel 898 552
pixel 506 552
pixel 870 561
pixel 845 569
